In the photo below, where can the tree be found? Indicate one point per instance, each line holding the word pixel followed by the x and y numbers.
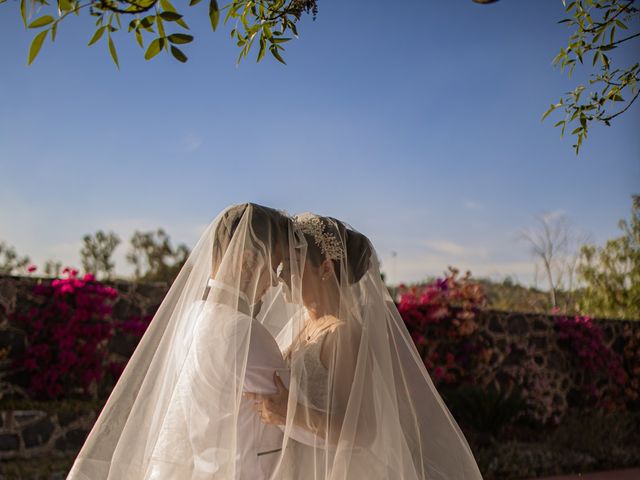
pixel 553 244
pixel 598 31
pixel 153 257
pixel 10 261
pixel 612 273
pixel 97 252
pixel 267 22
pixel 53 268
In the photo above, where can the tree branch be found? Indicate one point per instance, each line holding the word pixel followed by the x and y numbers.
pixel 139 8
pixel 621 40
pixel 604 24
pixel 610 117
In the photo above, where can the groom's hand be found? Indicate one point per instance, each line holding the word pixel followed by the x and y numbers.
pixel 272 408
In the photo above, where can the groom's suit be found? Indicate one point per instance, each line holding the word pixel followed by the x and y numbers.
pixel 259 443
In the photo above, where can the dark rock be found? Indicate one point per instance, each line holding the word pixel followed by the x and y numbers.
pixel 14 339
pixel 517 325
pixel 65 418
pixel 123 344
pixel 38 433
pixel 540 326
pixel 9 441
pixel 495 326
pixel 540 343
pixel 72 440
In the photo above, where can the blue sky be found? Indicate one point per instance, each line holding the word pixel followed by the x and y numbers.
pixel 419 125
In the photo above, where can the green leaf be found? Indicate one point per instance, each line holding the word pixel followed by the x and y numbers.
pixel 36 44
pixel 167 5
pixel 180 38
pixel 279 40
pixel 54 31
pixel 194 2
pixel 97 35
pixel 276 54
pixel 23 11
pixel 65 5
pixel 146 22
pixel 41 22
pixel 160 25
pixel 263 48
pixel 214 14
pixel 177 53
pixel 139 39
pixel 170 16
pixel 154 48
pixel 114 54
pixel 620 24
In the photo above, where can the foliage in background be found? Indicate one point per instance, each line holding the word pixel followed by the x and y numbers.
pixel 153 257
pixel 611 274
pixel 600 27
pixel 603 387
pixel 509 296
pixel 67 336
pixel 10 261
pixel 441 317
pixel 53 268
pixel 157 25
pixel 554 243
pixel 631 361
pixel 96 253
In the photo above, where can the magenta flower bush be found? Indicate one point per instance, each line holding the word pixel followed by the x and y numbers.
pixel 603 368
pixel 67 336
pixel 441 317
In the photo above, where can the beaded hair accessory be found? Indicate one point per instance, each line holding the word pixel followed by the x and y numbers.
pixel 313 225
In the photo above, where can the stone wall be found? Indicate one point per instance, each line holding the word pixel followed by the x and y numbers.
pixel 34 432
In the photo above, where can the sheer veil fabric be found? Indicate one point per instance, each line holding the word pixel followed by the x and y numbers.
pixel 302 296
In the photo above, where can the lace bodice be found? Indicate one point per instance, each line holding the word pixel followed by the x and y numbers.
pixel 314 376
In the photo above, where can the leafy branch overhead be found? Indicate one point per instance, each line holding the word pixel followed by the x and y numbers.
pixel 602 29
pixel 157 25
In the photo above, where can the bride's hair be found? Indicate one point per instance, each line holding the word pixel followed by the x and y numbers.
pixel 267 225
pixel 356 250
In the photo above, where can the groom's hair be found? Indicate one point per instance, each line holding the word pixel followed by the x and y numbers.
pixel 269 226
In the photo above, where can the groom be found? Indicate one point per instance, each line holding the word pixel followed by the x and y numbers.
pixel 258 445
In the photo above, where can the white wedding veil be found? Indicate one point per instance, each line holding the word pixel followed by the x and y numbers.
pixel 303 296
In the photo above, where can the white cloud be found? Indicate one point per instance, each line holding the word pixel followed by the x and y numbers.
pixel 192 142
pixel 471 205
pixel 456 250
pixel 554 215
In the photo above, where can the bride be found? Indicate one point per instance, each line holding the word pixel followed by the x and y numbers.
pixel 276 354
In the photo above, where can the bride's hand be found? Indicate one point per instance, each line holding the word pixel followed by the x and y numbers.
pixel 272 408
